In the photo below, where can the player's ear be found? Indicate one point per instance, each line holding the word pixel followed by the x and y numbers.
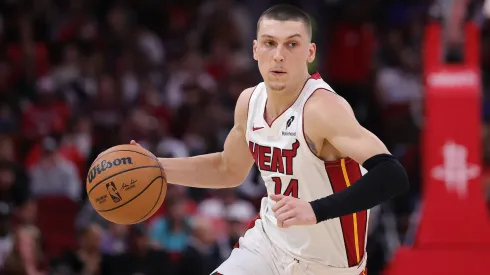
pixel 311 52
pixel 254 49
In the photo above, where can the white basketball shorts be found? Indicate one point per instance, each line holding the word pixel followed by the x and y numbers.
pixel 255 255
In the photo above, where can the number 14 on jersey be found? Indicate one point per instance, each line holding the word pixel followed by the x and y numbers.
pixel 291 188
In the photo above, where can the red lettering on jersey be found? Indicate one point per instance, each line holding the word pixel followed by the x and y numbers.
pixel 291 189
pixel 274 159
pixel 289 155
pixel 264 158
pixel 254 149
pixel 276 164
pixel 277 185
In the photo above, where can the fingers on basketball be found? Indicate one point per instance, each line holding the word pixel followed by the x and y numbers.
pixel 134 143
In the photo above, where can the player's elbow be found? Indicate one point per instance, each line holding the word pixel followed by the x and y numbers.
pixel 390 172
pixel 231 175
pixel 234 182
pixel 232 179
pixel 236 175
pixel 402 183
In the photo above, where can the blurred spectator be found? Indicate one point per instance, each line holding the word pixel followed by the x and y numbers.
pixel 171 232
pixel 29 58
pixel 6 93
pixel 73 21
pixel 226 21
pixel 78 141
pixel 115 239
pixel 349 57
pixel 400 93
pixel 26 256
pixel 217 206
pixel 106 105
pixel 8 121
pixel 54 175
pixel 177 193
pixel 7 149
pixel 152 46
pixel 141 258
pixel 239 217
pixel 202 255
pixel 129 77
pixel 141 126
pixel 88 259
pixel 14 188
pixel 47 115
pixel 185 73
pixel 151 100
pixel 68 148
pixel 6 234
pixel 155 135
pixel 253 187
pixel 26 215
pixel 68 71
pixel 87 215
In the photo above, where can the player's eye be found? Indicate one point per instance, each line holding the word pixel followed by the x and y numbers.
pixel 293 44
pixel 269 43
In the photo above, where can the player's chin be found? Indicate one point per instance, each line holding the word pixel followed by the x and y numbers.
pixel 278 87
pixel 277 84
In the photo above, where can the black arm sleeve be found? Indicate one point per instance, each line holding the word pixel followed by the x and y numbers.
pixel 385 179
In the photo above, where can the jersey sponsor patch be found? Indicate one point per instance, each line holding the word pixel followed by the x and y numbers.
pixel 288 134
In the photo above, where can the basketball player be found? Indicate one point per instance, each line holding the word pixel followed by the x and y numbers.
pixel 307 144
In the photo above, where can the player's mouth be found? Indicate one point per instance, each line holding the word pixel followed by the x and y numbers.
pixel 278 72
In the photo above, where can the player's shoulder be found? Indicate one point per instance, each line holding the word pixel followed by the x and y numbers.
pixel 246 94
pixel 326 104
pixel 241 108
pixel 244 97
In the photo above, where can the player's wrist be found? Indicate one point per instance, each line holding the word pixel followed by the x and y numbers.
pixel 321 209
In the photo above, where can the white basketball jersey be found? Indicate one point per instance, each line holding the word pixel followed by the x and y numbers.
pixel 289 167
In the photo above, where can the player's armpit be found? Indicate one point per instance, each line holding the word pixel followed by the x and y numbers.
pixel 218 170
pixel 236 159
pixel 335 121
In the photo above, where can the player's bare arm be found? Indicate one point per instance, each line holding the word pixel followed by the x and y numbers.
pixel 217 170
pixel 333 132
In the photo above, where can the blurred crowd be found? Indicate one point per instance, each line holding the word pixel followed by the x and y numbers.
pixel 79 76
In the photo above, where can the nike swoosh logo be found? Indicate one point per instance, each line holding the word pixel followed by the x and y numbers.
pixel 256 128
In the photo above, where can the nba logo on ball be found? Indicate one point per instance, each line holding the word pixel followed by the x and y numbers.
pixel 115 196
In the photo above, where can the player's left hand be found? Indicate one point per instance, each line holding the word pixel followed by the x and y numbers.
pixel 291 211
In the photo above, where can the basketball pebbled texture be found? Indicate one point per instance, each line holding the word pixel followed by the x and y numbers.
pixel 126 184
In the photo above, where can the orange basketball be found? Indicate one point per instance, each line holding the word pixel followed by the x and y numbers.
pixel 126 184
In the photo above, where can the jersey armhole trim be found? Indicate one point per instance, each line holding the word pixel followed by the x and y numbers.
pixel 248 108
pixel 330 163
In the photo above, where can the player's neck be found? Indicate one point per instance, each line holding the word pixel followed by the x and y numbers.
pixel 278 102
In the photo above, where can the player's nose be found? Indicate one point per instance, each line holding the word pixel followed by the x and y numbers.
pixel 278 55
